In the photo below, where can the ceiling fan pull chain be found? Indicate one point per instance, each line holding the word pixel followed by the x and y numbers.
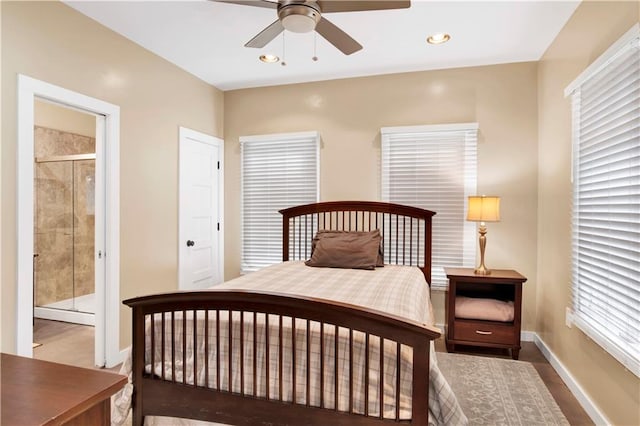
pixel 315 55
pixel 284 62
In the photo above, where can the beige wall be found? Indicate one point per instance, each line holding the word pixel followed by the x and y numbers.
pixel 349 114
pixel 2 347
pixel 52 42
pixel 64 119
pixel 592 29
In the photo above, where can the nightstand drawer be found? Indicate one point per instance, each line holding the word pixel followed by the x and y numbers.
pixel 483 331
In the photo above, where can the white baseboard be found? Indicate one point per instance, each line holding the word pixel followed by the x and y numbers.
pixel 594 413
pixel 528 336
pixel 75 317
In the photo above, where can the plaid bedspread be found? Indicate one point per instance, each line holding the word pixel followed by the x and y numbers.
pixel 397 290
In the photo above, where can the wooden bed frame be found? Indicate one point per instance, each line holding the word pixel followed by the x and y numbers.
pixel 406 235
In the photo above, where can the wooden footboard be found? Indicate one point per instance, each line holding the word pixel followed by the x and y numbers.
pixel 229 389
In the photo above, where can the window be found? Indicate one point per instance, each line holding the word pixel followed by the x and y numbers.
pixel 606 200
pixel 434 167
pixel 278 171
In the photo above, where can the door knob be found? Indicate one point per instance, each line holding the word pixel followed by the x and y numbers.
pixel 190 243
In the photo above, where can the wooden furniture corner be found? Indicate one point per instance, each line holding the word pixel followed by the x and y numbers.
pixel 36 392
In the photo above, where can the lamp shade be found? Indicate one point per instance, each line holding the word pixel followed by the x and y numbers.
pixel 484 208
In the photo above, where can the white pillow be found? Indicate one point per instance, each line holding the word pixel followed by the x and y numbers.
pixel 484 309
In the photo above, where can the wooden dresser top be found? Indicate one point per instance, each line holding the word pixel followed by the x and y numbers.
pixel 37 392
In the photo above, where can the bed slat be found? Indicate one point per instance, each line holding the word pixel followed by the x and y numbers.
pixel 163 345
pixel 173 346
pixel 280 378
pixel 255 354
pixel 350 370
pixel 366 375
pixel 308 398
pixel 218 350
pixel 293 360
pixel 398 368
pixel 322 363
pixel 335 363
pixel 195 348
pixel 153 346
pixel 242 352
pixel 266 353
pixel 184 347
pixel 381 378
pixel 206 348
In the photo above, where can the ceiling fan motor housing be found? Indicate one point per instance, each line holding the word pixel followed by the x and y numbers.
pixel 299 17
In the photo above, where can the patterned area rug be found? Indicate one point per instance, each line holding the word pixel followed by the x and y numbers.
pixel 494 391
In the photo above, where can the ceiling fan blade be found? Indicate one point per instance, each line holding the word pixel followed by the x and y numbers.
pixel 256 3
pixel 337 37
pixel 328 6
pixel 266 35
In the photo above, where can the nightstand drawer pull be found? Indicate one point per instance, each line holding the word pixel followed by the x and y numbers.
pixel 485 333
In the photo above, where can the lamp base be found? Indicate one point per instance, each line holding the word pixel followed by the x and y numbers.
pixel 481 270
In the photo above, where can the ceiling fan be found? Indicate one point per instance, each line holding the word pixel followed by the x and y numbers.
pixel 303 16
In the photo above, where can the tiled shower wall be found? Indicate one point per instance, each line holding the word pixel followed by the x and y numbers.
pixel 64 217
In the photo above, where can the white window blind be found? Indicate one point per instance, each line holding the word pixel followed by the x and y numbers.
pixel 278 171
pixel 606 201
pixel 435 168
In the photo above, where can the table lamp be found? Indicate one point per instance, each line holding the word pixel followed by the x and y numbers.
pixel 483 209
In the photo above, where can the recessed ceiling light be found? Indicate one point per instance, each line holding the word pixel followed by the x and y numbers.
pixel 438 38
pixel 269 58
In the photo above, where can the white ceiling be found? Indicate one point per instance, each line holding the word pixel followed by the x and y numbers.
pixel 207 38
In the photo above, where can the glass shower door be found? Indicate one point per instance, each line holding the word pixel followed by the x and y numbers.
pixel 84 236
pixel 64 236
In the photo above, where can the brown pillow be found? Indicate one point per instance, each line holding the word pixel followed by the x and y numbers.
pixel 355 250
pixel 326 233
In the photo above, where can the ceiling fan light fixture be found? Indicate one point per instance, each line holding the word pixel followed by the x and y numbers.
pixel 269 59
pixel 299 18
pixel 438 38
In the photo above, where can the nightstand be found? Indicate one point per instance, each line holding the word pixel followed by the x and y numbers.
pixel 501 285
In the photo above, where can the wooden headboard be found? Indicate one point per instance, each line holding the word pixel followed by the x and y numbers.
pixel 405 230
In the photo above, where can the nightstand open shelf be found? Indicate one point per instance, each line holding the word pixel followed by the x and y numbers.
pixel 500 285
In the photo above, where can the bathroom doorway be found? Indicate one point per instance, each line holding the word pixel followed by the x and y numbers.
pixel 68 217
pixel 64 214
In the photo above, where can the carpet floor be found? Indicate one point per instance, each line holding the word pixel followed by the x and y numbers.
pixel 494 391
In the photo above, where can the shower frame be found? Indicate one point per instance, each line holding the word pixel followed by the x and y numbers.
pixel 63 314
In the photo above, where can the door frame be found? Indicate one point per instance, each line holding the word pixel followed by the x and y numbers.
pixel 107 315
pixel 184 135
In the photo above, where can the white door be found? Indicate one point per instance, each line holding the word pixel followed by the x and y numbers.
pixel 200 212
